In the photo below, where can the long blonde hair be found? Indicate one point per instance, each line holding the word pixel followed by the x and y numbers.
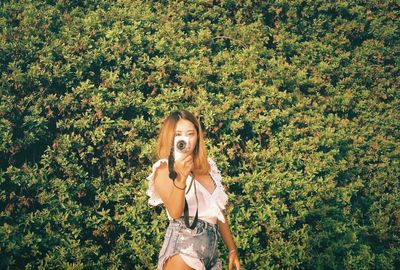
pixel 166 139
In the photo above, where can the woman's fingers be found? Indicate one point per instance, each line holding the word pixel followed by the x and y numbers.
pixel 237 264
pixel 230 263
pixel 184 166
pixel 188 161
pixel 233 261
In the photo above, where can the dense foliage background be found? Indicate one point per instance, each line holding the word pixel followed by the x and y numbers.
pixel 299 101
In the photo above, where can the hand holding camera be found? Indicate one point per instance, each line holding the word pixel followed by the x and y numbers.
pixel 181 147
pixel 183 160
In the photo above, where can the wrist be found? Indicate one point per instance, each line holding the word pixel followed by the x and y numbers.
pixel 179 185
pixel 182 178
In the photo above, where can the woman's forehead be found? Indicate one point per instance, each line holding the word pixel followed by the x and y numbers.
pixel 184 125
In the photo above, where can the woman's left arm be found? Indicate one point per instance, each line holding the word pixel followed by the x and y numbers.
pixel 233 259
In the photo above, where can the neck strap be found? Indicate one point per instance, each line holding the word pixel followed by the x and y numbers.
pixel 173 175
pixel 186 209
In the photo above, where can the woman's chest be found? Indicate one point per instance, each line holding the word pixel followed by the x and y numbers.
pixel 206 182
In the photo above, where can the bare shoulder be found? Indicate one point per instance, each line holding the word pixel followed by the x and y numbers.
pixel 162 182
pixel 162 172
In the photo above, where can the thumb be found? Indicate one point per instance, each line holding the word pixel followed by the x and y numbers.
pixel 237 265
pixel 230 264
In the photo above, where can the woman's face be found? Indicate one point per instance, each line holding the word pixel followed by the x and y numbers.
pixel 186 128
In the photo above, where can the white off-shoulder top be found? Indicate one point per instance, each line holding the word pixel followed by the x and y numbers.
pixel 210 205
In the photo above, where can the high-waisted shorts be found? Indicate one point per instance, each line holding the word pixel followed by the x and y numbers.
pixel 197 247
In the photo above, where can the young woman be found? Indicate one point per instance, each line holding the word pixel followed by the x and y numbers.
pixel 190 188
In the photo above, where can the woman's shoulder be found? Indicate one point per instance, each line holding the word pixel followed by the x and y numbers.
pixel 154 197
pixel 213 165
pixel 211 162
pixel 160 164
pixel 221 197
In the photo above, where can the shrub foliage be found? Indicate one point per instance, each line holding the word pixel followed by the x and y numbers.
pixel 299 101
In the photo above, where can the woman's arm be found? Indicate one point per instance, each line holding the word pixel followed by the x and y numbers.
pixel 173 193
pixel 226 235
pixel 229 243
pixel 172 197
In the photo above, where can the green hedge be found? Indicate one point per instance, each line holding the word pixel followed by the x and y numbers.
pixel 299 101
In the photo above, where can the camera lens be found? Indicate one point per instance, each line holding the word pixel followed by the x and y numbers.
pixel 181 145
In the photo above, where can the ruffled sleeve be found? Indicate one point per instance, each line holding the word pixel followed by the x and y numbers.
pixel 220 196
pixel 154 197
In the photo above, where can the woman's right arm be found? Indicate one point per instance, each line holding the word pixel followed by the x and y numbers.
pixel 173 195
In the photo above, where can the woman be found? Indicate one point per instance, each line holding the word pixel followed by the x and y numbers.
pixel 189 185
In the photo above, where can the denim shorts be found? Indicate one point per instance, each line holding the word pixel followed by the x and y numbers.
pixel 200 243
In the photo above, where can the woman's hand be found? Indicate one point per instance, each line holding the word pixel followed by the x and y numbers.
pixel 183 167
pixel 233 260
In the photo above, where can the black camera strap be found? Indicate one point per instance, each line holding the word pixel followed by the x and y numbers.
pixel 173 175
pixel 186 209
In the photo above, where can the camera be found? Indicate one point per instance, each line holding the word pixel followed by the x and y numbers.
pixel 181 146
